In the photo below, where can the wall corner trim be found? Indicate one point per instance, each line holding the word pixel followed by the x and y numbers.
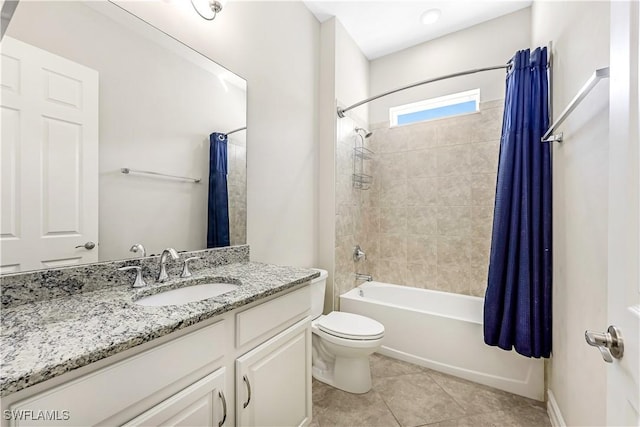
pixel 553 410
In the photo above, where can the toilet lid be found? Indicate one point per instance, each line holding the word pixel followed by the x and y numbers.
pixel 351 326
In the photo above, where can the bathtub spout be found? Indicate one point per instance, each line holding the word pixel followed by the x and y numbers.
pixel 367 277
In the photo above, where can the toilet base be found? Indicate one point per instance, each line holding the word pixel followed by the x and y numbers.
pixel 342 363
pixel 322 375
pixel 352 375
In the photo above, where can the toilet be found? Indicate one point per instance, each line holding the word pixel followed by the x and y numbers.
pixel 342 343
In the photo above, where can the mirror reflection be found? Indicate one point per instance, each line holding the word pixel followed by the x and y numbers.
pixel 89 90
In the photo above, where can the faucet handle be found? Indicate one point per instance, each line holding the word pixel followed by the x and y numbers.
pixel 358 254
pixel 139 282
pixel 185 268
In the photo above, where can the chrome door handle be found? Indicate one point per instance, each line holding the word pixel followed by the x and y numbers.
pixel 246 381
pixel 610 343
pixel 88 246
pixel 224 408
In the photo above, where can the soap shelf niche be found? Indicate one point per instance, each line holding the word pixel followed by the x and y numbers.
pixel 361 180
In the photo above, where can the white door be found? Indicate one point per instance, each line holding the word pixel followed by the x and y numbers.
pixel 623 385
pixel 201 404
pixel 49 160
pixel 273 381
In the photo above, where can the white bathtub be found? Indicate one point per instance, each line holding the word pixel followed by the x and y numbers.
pixel 443 331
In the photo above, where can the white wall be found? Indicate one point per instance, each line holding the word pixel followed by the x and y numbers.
pixel 275 47
pixel 344 79
pixel 580 35
pixel 352 73
pixel 491 43
pixel 326 157
pixel 156 110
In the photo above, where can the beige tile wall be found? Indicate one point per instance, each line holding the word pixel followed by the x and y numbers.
pixel 427 220
pixel 237 188
pixel 352 207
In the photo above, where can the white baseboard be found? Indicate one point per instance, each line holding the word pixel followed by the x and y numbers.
pixel 531 386
pixel 553 410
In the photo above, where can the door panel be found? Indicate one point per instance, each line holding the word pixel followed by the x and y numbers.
pixel 49 159
pixel 10 206
pixel 61 165
pixel 623 376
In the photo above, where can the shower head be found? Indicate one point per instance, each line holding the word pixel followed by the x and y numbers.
pixel 365 132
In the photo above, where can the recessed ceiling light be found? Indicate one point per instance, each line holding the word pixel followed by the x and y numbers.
pixel 430 16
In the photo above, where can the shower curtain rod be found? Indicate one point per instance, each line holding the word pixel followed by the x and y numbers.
pixel 341 111
pixel 235 130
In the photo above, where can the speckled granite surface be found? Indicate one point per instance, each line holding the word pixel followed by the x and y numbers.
pixel 48 337
pixel 21 288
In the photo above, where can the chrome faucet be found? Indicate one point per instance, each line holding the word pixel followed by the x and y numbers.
pixel 367 277
pixel 162 276
pixel 138 248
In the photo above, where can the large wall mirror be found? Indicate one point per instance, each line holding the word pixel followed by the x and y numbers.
pixel 89 89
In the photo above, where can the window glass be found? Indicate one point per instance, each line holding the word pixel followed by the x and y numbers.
pixel 435 108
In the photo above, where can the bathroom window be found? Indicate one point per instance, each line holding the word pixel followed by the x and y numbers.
pixel 435 108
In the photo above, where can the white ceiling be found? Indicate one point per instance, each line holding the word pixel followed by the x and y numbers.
pixel 383 27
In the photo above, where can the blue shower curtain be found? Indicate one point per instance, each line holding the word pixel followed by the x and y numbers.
pixel 517 307
pixel 218 217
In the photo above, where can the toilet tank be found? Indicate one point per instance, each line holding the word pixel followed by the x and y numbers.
pixel 318 286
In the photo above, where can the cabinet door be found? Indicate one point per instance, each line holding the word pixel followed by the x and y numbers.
pixel 273 381
pixel 201 404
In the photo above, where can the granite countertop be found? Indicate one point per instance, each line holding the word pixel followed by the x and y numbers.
pixel 44 339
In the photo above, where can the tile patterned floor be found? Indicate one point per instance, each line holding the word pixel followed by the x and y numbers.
pixel 408 395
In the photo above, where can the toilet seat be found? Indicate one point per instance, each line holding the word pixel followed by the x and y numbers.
pixel 350 326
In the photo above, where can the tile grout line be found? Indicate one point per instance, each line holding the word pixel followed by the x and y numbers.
pixel 426 372
pixel 448 394
pixel 388 408
pixel 479 414
pixel 518 405
pixel 533 405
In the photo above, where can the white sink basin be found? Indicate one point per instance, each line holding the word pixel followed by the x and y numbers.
pixel 187 294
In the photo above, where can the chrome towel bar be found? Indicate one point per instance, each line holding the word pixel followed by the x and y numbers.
pixel 599 74
pixel 127 171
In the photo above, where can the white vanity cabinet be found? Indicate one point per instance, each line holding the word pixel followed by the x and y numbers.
pixel 273 381
pixel 200 378
pixel 120 391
